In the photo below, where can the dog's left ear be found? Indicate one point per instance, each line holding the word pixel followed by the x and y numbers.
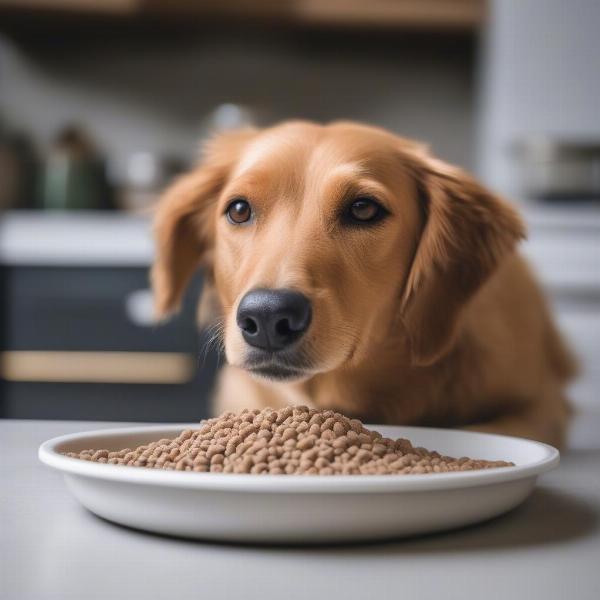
pixel 467 232
pixel 183 234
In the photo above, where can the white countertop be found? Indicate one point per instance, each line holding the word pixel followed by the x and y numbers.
pixel 85 238
pixel 51 548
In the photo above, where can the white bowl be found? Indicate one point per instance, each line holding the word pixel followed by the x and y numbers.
pixel 300 508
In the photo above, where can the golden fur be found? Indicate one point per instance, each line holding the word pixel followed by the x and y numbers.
pixel 428 318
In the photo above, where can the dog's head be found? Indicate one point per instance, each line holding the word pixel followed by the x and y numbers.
pixel 321 241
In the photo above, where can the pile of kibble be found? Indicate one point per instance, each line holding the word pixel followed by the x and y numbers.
pixel 290 441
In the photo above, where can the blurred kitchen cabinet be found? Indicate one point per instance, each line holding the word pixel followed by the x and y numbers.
pixel 429 14
pixel 563 246
pixel 78 343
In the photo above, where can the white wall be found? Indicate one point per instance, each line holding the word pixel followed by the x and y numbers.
pixel 149 93
pixel 541 75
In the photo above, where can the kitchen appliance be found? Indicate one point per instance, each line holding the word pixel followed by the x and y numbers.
pixel 74 175
pixel 559 169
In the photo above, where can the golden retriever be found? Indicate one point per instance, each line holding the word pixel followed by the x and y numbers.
pixel 350 269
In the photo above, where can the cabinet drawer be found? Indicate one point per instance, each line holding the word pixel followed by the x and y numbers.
pixel 90 309
pixel 186 403
pixel 77 343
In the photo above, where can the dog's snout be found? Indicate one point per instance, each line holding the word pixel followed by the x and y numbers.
pixel 273 319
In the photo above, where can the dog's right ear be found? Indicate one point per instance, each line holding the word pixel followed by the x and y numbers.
pixel 468 231
pixel 184 223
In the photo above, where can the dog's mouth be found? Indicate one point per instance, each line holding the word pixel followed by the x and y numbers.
pixel 277 366
pixel 277 373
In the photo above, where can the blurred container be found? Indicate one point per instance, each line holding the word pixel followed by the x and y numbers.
pixel 229 116
pixel 555 169
pixel 146 175
pixel 74 175
pixel 18 171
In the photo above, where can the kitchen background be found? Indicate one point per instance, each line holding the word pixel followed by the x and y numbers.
pixel 102 102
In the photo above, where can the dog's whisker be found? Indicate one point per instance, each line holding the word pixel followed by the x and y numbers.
pixel 214 341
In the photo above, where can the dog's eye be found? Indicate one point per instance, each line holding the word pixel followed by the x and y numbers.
pixel 239 211
pixel 364 210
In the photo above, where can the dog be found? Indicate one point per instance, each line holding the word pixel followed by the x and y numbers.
pixel 347 268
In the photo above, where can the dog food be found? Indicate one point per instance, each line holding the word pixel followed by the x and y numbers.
pixel 292 441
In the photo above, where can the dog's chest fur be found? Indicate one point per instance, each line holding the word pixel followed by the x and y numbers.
pixel 441 395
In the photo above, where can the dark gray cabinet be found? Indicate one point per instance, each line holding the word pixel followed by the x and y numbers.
pixel 85 314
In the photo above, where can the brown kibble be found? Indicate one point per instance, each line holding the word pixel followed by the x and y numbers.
pixel 291 441
pixel 364 438
pixel 306 442
pixel 327 453
pixel 289 434
pixel 284 413
pixel 302 427
pixel 341 442
pixel 379 449
pixel 314 429
pixel 311 454
pixel 259 468
pixel 247 464
pixel 328 424
pixel 216 449
pixel 339 429
pixel 363 455
pixel 316 419
pixel 261 456
pixel 356 426
pixel 241 449
pixel 352 436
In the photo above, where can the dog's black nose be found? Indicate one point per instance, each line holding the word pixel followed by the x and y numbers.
pixel 273 319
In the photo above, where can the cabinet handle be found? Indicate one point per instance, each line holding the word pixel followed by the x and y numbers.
pixel 139 307
pixel 97 367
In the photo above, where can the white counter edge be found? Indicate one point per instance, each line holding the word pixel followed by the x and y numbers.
pixel 75 239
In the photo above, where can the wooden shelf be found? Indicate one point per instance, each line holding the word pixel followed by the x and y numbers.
pixel 422 14
pixel 106 7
